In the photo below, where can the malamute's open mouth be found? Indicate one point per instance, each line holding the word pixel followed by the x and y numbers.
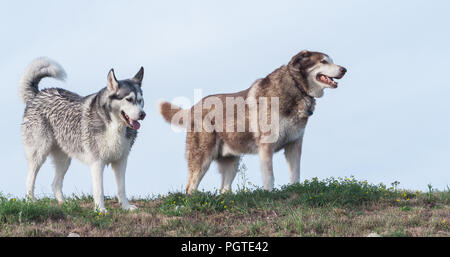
pixel 134 124
pixel 327 80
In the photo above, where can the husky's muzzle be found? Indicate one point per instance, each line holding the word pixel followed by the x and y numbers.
pixel 134 124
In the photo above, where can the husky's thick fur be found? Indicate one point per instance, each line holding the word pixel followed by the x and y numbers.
pixel 98 129
pixel 295 85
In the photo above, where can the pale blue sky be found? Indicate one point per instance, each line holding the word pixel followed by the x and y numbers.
pixel 387 121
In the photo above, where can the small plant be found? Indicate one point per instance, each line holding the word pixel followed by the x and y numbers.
pixel 178 204
pixel 256 227
pixel 99 219
pixel 405 208
pixel 400 232
pixel 243 183
pixel 338 192
pixel 21 210
pixel 395 185
pixel 430 196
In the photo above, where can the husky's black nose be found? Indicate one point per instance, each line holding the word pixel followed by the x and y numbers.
pixel 343 70
pixel 142 115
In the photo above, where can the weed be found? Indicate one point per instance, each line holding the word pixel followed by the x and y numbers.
pixel 20 210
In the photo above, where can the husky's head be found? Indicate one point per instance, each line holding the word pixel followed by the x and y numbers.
pixel 126 101
pixel 317 70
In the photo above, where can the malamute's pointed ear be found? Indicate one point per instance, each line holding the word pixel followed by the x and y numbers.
pixel 305 53
pixel 298 57
pixel 112 84
pixel 139 76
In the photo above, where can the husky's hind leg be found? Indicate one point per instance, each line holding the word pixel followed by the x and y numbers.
pixel 37 141
pixel 36 156
pixel 35 161
pixel 61 161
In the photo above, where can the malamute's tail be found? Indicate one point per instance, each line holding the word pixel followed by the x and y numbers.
pixel 38 69
pixel 169 110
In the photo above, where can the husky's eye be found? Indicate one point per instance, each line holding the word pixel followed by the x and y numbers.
pixel 323 62
pixel 129 100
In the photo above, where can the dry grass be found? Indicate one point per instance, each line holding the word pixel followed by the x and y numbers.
pixel 246 213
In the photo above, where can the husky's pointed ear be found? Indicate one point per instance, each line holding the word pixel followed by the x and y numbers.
pixel 112 84
pixel 139 76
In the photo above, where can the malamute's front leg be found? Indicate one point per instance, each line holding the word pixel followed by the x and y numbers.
pixel 119 168
pixel 293 153
pixel 265 156
pixel 97 185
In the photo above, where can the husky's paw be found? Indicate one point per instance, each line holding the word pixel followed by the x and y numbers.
pixel 130 207
pixel 225 190
pixel 101 211
pixel 30 198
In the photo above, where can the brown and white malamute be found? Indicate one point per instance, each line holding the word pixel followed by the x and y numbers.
pixel 269 116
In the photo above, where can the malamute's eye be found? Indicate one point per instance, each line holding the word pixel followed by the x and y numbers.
pixel 323 62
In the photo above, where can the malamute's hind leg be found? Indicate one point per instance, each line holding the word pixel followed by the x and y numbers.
pixel 61 162
pixel 199 153
pixel 227 167
pixel 197 169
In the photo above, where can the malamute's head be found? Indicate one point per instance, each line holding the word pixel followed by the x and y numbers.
pixel 125 98
pixel 317 70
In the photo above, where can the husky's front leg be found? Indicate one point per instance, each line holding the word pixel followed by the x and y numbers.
pixel 97 185
pixel 265 156
pixel 119 168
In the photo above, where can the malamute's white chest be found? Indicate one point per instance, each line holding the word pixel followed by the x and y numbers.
pixel 290 130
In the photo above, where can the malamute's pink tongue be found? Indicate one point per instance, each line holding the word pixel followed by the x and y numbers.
pixel 135 124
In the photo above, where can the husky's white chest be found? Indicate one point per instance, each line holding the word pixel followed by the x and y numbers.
pixel 115 145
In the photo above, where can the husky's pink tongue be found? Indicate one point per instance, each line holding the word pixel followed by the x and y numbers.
pixel 135 124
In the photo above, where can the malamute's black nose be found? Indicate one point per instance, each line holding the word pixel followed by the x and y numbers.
pixel 343 70
pixel 142 115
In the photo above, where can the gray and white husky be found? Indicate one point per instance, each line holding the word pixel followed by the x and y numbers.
pixel 98 129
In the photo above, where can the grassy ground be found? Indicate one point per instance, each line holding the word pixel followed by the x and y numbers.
pixel 332 207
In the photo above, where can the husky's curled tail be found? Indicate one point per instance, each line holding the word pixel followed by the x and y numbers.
pixel 40 68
